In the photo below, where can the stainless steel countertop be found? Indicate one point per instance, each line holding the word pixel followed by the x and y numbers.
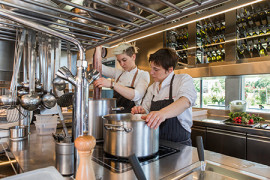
pixel 217 122
pixel 39 152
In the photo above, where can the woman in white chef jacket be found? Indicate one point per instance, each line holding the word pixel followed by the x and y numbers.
pixel 129 83
pixel 169 99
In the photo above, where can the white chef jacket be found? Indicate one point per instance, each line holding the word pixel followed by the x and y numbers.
pixel 182 86
pixel 140 85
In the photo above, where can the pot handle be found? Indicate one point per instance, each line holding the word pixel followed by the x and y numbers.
pixel 118 109
pixel 115 127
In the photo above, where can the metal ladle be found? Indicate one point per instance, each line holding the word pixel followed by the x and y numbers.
pixel 48 100
pixel 31 101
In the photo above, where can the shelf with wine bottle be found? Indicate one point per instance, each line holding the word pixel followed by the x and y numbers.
pixel 177 39
pixel 211 39
pixel 253 31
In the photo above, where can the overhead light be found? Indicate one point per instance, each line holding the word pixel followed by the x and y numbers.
pixel 195 20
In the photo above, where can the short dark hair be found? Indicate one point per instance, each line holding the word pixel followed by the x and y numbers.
pixel 164 57
pixel 129 51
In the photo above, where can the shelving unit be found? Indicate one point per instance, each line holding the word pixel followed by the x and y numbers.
pixel 178 40
pixel 253 31
pixel 210 39
pixel 239 36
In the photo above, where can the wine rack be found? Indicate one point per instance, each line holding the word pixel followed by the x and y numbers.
pixel 178 39
pixel 253 31
pixel 210 40
pixel 247 37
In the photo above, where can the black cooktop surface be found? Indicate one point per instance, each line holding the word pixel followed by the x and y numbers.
pixel 120 165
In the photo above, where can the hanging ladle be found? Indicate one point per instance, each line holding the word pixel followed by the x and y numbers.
pixel 49 100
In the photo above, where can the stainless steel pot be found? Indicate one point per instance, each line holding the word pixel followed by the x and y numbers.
pixel 126 134
pixel 97 109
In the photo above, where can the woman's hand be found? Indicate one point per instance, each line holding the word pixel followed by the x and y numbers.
pixel 138 110
pixel 154 119
pixel 102 82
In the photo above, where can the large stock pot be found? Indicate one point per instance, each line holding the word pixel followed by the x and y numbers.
pixel 97 109
pixel 125 134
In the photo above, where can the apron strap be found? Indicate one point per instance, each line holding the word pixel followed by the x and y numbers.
pixel 119 77
pixel 170 91
pixel 133 80
pixel 170 95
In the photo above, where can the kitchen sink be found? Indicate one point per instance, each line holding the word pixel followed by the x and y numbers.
pixel 213 171
pixel 219 172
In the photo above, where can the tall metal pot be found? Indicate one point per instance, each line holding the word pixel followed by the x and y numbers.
pixel 97 109
pixel 126 134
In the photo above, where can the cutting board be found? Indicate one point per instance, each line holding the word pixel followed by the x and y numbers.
pixel 199 112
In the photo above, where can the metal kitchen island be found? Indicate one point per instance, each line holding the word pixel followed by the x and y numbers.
pixel 39 152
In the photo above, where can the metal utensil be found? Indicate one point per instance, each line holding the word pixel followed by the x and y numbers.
pixel 31 101
pixel 49 100
pixel 59 84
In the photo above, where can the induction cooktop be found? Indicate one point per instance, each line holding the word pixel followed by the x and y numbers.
pixel 120 165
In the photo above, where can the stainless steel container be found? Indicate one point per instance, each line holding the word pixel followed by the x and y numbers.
pixel 64 158
pixel 126 134
pixel 97 109
pixel 18 133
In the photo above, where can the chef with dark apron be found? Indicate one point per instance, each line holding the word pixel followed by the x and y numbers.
pixel 129 83
pixel 169 100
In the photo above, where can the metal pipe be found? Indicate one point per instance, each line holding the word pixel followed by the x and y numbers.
pixel 61 11
pixel 68 26
pixel 146 8
pixel 169 4
pixel 6 32
pixel 48 16
pixel 122 11
pixel 98 13
pixel 36 26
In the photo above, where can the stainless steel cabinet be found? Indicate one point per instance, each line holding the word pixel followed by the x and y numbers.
pixel 226 142
pixel 258 149
pixel 198 131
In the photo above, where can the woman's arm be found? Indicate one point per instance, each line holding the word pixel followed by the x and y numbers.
pixel 155 118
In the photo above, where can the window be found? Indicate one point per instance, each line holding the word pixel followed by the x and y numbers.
pixel 197 83
pixel 254 89
pixel 212 93
pixel 257 92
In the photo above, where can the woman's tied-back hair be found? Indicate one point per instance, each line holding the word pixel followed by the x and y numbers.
pixel 164 57
pixel 126 48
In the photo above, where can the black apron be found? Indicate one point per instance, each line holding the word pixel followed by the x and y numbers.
pixel 122 101
pixel 171 129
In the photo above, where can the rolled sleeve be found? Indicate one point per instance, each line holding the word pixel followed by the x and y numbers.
pixel 187 89
pixel 108 71
pixel 141 86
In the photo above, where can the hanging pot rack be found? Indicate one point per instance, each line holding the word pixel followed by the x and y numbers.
pixel 106 21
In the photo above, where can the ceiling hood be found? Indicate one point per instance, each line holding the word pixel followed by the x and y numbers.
pixel 100 22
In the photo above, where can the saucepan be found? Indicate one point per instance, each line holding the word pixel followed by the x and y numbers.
pixel 17 133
